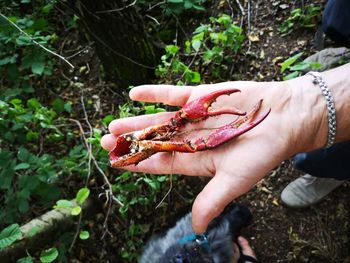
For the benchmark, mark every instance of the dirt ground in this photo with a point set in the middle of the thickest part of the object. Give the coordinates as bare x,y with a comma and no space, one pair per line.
278,234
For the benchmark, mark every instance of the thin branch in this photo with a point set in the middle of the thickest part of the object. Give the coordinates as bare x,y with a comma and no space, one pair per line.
80,51
249,26
153,6
171,181
117,9
154,19
35,42
108,192
242,11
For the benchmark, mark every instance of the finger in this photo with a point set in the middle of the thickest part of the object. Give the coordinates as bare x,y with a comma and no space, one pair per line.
108,142
211,201
175,163
168,94
121,126
246,248
236,253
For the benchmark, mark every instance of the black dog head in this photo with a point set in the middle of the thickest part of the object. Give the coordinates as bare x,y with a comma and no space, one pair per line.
180,245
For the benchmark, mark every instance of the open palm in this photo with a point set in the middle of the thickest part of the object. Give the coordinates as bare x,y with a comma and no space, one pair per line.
235,166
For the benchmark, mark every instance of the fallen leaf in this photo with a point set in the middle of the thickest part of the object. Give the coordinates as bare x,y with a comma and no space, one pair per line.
253,38
275,202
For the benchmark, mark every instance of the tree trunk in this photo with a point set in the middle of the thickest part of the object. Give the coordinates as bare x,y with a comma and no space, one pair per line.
121,40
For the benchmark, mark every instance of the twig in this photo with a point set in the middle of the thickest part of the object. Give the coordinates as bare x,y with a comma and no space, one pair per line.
35,42
231,8
107,192
242,11
117,9
154,19
157,4
249,42
82,50
171,181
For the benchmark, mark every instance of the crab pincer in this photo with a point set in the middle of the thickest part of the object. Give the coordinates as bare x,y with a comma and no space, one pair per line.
134,147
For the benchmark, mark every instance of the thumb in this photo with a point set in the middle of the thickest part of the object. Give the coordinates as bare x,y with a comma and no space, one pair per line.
212,200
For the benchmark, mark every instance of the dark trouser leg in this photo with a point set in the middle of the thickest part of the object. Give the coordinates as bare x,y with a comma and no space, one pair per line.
333,162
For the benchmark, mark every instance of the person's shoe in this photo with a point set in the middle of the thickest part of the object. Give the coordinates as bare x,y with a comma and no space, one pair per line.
308,190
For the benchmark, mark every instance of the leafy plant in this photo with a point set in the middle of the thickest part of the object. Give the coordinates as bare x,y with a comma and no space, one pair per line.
48,255
9,235
74,207
301,18
20,59
213,47
296,68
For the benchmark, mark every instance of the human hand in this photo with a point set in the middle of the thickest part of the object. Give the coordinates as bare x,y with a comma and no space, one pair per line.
237,165
247,251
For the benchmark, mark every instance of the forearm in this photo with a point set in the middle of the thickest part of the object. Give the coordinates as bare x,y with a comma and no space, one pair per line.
312,111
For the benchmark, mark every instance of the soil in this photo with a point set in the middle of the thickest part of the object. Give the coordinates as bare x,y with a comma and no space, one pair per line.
278,234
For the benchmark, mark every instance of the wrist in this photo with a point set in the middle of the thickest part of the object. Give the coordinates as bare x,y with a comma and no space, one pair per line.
309,106
309,110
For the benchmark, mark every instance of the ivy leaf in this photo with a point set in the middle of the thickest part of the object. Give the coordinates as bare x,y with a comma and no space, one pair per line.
82,195
22,166
28,259
196,44
290,61
76,210
33,104
68,107
84,235
291,75
63,204
9,235
23,154
38,67
48,255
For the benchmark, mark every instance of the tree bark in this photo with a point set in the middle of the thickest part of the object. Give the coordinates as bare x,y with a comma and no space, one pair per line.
121,41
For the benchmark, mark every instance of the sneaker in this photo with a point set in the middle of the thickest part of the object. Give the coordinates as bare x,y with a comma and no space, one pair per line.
308,190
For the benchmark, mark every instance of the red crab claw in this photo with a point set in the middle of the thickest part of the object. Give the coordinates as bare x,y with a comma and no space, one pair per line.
199,109
232,130
134,147
138,151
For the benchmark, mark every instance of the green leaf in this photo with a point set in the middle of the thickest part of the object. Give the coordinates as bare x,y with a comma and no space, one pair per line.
58,105
172,49
107,119
76,210
82,195
23,40
38,67
196,44
9,235
68,107
175,1
300,66
48,255
28,259
23,154
290,61
192,76
33,104
22,166
291,75
64,204
152,183
84,235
